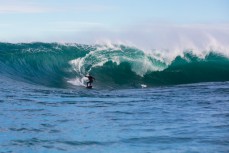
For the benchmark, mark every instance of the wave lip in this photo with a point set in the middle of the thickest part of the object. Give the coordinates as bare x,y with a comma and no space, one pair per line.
117,66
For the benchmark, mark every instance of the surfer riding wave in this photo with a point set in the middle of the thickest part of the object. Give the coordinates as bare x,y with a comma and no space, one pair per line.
90,80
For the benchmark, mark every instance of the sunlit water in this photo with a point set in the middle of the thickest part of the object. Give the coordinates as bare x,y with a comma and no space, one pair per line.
190,118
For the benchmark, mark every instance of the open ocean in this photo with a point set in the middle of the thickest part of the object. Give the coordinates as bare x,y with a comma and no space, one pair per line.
141,102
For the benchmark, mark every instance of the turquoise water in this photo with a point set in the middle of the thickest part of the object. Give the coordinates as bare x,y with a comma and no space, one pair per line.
140,103
114,67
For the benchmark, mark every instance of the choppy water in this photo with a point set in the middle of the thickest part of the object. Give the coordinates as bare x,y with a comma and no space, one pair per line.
191,118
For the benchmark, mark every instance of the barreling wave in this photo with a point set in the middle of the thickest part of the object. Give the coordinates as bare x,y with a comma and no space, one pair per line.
115,66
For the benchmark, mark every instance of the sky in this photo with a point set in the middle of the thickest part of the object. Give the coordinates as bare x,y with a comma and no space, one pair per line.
133,21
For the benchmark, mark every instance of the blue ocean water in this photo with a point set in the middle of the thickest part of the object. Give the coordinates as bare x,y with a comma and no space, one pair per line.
139,103
186,118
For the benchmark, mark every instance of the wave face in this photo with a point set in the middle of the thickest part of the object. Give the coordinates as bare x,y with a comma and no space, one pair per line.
114,66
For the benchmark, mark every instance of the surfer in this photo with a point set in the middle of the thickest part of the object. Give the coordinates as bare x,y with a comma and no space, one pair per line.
90,80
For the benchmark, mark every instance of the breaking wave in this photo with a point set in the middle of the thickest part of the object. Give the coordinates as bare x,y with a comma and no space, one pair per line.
113,66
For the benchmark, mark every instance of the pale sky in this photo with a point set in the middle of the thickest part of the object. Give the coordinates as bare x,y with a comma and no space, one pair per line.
80,20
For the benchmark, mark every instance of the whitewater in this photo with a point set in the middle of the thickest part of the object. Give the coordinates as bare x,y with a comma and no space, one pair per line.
116,66
160,100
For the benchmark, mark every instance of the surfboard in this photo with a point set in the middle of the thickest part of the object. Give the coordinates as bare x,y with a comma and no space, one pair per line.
89,87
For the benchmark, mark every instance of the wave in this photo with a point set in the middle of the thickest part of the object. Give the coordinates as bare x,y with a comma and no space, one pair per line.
113,66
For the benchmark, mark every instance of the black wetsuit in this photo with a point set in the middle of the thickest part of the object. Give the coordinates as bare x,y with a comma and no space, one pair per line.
90,78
